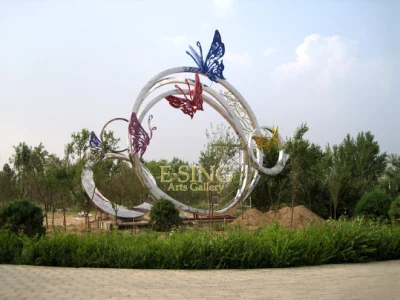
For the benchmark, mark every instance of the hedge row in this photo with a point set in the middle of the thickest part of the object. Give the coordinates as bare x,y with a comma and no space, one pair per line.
336,242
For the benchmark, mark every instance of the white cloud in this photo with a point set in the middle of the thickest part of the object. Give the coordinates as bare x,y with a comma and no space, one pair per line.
176,41
321,59
335,91
224,8
269,51
240,60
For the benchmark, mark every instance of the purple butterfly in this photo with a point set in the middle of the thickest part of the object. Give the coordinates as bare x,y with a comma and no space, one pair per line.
211,66
138,136
95,144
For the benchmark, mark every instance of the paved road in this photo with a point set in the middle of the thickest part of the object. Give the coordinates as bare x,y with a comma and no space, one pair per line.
353,281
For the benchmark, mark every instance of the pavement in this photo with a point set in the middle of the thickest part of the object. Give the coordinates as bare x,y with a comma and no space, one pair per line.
380,280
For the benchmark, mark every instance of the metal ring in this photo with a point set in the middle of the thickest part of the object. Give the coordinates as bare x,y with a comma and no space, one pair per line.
283,157
104,127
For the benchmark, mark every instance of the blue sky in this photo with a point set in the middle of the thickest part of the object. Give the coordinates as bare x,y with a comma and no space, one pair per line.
67,65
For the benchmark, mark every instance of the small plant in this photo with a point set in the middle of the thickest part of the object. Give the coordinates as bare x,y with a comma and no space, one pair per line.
22,215
164,215
374,204
394,211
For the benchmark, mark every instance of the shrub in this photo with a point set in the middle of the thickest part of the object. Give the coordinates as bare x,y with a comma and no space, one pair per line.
273,246
164,215
10,247
22,215
374,204
394,211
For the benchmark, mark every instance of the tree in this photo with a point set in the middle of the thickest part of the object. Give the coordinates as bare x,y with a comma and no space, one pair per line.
7,184
270,190
362,166
394,211
336,174
221,153
391,179
164,215
61,184
22,215
304,158
21,162
30,167
77,154
370,164
375,204
221,149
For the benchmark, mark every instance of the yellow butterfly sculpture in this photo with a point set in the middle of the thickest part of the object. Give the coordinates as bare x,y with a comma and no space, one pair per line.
267,142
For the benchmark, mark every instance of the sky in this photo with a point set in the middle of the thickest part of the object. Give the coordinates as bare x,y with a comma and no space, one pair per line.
68,65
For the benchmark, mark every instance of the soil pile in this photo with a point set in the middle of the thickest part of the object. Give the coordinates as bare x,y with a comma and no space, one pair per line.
302,216
252,218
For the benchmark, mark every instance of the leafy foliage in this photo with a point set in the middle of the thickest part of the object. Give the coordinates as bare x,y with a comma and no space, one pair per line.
164,215
11,246
374,204
328,181
7,184
394,211
22,215
336,242
391,179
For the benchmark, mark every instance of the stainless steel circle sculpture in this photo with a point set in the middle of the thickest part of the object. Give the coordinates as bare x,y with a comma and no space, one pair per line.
188,96
104,128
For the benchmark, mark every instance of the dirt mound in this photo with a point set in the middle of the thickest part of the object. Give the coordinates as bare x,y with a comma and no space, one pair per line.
302,216
252,218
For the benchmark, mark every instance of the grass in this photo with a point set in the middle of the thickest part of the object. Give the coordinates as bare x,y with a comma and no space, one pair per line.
273,246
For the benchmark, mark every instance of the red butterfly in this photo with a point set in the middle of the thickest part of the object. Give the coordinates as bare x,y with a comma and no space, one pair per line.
189,106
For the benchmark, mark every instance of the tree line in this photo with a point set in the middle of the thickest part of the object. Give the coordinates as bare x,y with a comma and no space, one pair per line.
328,181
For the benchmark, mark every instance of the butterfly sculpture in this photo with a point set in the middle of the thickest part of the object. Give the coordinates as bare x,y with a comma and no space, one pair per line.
138,136
95,144
186,105
267,143
211,66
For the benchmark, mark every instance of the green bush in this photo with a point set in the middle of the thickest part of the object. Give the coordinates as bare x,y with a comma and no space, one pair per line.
273,246
10,247
374,204
22,215
164,215
394,211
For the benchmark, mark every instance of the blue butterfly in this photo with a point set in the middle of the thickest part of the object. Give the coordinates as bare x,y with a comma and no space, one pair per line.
95,144
211,66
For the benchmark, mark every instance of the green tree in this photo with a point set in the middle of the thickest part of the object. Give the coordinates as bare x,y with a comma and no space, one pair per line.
304,159
299,182
21,160
164,215
374,204
271,191
221,153
77,154
391,179
336,174
394,211
363,164
30,168
22,215
7,184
